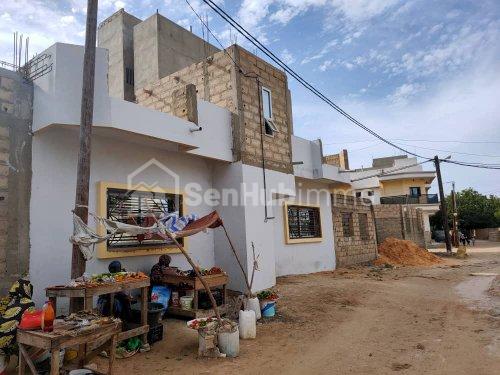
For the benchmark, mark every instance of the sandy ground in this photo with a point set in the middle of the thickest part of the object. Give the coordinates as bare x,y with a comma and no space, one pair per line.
427,320
431,320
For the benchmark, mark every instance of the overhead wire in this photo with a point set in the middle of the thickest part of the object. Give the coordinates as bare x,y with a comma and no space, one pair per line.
388,172
306,84
295,75
452,152
415,140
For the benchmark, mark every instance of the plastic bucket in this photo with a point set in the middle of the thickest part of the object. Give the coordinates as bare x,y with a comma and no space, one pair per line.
254,305
268,309
229,343
186,302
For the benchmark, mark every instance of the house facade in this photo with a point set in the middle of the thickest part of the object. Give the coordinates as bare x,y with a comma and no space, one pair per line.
398,187
216,134
194,143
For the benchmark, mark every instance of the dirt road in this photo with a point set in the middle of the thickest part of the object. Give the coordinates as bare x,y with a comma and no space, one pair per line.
430,320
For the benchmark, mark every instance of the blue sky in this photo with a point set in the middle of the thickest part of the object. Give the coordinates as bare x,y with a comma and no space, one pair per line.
423,73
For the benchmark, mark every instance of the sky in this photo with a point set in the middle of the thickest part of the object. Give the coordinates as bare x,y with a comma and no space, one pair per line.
424,74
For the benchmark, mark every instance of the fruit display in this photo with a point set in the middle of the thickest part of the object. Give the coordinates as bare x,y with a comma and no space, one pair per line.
108,278
200,323
205,272
267,295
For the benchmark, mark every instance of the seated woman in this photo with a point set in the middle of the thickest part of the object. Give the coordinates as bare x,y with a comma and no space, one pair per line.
121,307
162,268
19,301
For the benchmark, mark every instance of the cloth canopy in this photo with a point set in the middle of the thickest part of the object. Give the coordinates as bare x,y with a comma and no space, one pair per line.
210,221
86,238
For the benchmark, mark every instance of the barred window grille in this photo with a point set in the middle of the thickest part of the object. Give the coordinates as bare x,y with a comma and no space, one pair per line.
137,207
347,224
303,222
363,226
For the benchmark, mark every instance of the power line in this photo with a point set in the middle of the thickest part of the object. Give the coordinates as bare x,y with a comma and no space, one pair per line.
294,74
452,152
385,173
474,165
417,140
306,84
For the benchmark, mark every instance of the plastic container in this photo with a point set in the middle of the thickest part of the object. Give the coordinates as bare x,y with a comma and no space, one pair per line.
155,333
80,371
229,343
253,304
186,302
175,299
48,316
247,324
155,311
268,308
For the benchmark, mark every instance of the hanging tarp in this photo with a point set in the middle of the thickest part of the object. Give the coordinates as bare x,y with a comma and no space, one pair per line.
86,238
210,221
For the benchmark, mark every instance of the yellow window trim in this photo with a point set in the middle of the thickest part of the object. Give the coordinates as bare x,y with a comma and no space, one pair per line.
291,241
102,248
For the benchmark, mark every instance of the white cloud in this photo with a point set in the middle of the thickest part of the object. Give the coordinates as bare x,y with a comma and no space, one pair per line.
119,5
361,10
404,92
464,47
287,57
328,64
326,49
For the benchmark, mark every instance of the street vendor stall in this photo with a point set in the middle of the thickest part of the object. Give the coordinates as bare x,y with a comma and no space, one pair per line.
67,334
89,289
191,283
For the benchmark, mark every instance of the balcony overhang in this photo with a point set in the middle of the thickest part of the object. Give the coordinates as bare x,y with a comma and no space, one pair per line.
428,176
57,102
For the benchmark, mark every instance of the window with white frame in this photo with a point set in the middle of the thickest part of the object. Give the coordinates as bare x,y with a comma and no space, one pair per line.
267,111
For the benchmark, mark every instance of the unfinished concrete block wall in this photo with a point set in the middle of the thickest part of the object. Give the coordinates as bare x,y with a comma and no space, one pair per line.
399,221
16,100
212,80
277,148
494,234
116,35
219,82
361,245
162,47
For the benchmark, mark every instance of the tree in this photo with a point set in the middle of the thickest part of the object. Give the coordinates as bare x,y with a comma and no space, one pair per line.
475,211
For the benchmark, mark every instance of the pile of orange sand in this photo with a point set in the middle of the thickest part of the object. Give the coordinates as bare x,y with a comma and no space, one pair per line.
404,253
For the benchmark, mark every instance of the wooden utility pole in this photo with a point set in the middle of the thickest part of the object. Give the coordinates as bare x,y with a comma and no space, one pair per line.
87,113
444,211
455,213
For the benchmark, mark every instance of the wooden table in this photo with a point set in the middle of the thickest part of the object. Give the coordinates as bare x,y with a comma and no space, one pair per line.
195,284
88,293
55,341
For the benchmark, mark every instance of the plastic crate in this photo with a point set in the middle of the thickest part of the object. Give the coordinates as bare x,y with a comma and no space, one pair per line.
155,333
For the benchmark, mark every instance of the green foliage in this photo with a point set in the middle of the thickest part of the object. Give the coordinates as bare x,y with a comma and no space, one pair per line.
475,211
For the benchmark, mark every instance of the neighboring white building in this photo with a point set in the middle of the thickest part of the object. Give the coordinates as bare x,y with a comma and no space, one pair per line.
137,146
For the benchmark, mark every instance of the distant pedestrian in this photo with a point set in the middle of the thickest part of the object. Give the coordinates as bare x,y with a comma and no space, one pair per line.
462,239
